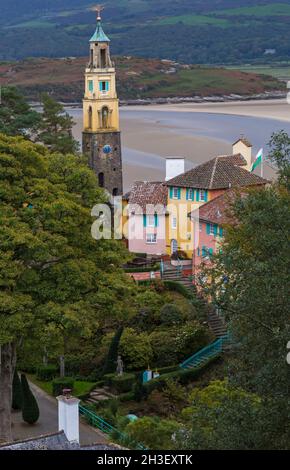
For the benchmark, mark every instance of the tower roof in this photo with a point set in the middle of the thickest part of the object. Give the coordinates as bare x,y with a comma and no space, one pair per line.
99,35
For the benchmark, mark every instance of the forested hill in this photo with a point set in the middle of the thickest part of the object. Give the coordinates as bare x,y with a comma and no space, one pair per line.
189,31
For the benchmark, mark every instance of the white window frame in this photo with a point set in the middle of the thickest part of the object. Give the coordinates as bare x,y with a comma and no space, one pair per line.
202,194
211,229
175,196
190,194
151,238
174,223
149,221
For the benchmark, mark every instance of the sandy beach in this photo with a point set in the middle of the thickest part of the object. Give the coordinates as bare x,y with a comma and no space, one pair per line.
196,132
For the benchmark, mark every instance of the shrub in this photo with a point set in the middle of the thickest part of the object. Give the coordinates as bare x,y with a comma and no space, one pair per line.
154,433
47,373
17,397
163,344
179,288
155,267
58,385
190,338
170,315
123,383
30,410
135,349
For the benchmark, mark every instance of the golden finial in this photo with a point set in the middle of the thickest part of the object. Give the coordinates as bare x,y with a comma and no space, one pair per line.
98,9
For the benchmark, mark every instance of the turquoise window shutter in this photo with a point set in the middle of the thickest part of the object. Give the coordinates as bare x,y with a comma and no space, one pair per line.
221,232
187,192
197,195
198,252
208,229
206,196
156,220
210,251
192,195
179,193
171,193
107,86
203,251
91,85
215,230
144,220
101,86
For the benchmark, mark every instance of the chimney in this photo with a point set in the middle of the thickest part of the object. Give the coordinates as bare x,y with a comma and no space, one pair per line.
174,167
68,416
244,147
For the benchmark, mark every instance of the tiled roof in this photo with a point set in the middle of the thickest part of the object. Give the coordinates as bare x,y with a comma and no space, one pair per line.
218,210
144,193
221,172
54,441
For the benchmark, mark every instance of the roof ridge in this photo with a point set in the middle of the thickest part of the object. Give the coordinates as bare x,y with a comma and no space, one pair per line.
213,172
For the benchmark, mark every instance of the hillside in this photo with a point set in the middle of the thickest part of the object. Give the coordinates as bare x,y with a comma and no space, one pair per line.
137,79
189,31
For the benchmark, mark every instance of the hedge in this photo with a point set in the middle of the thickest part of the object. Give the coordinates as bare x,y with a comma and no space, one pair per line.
58,385
183,376
178,287
121,383
46,373
155,267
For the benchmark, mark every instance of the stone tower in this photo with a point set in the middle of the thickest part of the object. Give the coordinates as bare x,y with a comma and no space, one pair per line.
101,132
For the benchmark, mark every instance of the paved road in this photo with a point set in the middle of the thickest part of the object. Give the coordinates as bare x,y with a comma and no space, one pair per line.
48,422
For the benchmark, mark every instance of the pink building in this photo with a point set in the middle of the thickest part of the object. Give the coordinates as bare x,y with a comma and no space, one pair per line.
146,211
210,220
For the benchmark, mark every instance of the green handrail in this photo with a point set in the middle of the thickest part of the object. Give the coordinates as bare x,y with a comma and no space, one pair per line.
106,428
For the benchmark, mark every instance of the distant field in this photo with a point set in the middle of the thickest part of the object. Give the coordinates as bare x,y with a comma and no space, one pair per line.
277,71
192,20
275,9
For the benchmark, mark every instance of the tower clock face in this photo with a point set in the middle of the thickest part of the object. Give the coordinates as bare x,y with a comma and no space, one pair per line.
107,149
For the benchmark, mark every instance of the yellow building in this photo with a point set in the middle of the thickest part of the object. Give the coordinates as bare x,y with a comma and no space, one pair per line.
101,132
190,190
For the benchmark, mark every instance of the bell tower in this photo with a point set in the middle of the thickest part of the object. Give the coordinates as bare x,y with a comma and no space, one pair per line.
101,132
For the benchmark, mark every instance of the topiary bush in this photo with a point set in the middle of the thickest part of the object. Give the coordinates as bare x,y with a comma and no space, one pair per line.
47,373
30,410
17,397
112,356
123,383
58,385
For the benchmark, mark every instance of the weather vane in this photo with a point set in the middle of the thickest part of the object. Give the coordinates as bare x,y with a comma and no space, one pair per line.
99,9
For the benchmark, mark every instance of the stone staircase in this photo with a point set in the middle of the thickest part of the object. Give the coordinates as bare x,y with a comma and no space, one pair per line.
100,394
172,273
217,324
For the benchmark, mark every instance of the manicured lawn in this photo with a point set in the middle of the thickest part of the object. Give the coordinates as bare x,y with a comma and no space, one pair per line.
80,387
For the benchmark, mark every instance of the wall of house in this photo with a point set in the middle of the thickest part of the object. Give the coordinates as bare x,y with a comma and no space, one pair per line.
179,208
206,244
138,232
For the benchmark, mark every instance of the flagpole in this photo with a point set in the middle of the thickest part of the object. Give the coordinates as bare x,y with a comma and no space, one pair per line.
262,167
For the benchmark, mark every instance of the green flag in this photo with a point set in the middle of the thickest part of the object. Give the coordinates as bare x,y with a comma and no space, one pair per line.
258,160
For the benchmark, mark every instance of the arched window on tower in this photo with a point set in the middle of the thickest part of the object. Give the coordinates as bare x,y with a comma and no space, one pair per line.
105,117
90,118
103,58
101,180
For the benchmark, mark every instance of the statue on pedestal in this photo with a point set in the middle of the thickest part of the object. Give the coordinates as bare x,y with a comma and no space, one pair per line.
120,366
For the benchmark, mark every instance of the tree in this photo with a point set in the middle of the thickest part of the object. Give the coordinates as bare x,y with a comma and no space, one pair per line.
30,410
111,360
56,127
280,156
16,116
54,275
17,397
249,281
222,417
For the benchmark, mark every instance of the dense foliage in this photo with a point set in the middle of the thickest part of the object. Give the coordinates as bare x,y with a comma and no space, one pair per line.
30,409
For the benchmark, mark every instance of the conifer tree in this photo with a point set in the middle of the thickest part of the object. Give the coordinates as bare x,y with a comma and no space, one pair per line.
30,410
16,392
111,360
